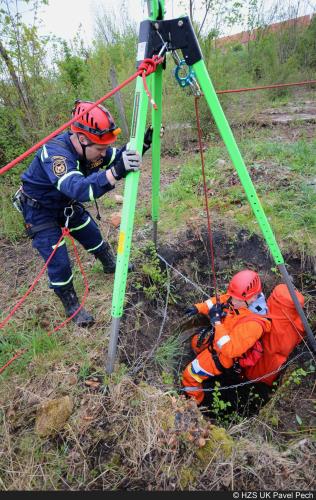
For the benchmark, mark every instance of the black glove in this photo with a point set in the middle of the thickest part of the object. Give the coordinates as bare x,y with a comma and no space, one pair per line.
148,137
129,162
216,313
191,311
203,333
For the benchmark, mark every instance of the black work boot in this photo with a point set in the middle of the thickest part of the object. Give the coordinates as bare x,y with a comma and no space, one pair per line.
107,258
70,302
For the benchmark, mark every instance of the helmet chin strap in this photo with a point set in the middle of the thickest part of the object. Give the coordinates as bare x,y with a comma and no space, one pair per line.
84,147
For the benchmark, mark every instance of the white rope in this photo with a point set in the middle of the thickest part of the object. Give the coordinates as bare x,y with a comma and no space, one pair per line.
184,277
200,389
186,389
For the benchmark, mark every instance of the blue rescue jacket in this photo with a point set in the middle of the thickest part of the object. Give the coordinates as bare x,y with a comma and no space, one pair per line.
57,175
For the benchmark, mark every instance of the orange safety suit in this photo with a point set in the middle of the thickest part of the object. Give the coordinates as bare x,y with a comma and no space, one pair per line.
237,333
287,331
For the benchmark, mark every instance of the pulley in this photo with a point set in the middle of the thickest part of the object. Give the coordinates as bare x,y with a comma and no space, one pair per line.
184,74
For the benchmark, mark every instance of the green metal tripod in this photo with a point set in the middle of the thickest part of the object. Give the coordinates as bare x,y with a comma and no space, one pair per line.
158,36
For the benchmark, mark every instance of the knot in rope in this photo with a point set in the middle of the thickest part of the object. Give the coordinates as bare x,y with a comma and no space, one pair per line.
146,68
149,66
65,231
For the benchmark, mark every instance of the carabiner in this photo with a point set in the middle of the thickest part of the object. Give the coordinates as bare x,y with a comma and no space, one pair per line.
68,214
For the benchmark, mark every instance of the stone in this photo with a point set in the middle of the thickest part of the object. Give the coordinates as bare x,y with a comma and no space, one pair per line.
119,199
52,416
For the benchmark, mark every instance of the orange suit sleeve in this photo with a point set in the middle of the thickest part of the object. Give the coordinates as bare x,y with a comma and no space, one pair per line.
204,307
235,343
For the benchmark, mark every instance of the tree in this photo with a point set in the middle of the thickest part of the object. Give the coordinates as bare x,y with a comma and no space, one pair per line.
21,54
213,15
113,32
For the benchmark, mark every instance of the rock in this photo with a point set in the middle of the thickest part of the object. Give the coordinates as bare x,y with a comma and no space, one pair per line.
219,441
52,416
115,219
119,199
201,442
220,162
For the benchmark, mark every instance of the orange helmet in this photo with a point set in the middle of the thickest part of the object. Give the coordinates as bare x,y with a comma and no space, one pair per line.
97,124
244,285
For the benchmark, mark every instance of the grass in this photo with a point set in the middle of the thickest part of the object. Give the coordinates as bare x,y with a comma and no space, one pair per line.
281,175
12,227
138,433
167,353
42,312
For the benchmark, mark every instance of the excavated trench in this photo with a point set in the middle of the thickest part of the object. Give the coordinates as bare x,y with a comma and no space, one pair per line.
156,340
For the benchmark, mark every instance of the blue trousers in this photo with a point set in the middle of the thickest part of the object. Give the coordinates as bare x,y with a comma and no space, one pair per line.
82,227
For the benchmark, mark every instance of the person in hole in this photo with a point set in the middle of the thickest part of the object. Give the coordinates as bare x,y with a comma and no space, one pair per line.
237,322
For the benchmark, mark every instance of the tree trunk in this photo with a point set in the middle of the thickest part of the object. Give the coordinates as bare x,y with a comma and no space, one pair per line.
9,64
119,102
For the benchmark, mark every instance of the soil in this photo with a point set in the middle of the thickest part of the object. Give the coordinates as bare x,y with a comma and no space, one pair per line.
189,253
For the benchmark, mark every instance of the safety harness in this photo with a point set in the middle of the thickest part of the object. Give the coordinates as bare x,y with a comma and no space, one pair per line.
249,354
20,198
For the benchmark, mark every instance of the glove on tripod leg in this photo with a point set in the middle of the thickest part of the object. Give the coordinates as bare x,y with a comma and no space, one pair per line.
69,299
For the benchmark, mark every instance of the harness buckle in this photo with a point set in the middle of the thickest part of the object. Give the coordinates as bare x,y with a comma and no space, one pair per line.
16,200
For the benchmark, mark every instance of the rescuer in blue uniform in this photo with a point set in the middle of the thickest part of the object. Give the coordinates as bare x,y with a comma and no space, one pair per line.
75,167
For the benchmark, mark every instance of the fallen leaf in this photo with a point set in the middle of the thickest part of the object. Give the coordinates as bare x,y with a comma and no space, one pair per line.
115,219
72,380
95,384
201,442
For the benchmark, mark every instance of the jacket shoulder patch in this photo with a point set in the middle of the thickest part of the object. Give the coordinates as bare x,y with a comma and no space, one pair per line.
59,165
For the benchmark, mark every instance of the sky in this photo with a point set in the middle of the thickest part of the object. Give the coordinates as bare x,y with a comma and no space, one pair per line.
64,17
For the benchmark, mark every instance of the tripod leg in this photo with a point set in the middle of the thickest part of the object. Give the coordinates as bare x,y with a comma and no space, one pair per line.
236,158
238,162
156,148
127,222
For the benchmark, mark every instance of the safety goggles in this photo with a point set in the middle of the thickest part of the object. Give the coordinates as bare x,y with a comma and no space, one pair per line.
113,129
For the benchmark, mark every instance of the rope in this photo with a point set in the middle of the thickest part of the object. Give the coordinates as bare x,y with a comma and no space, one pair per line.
271,317
263,87
184,277
234,386
18,354
147,67
209,230
20,302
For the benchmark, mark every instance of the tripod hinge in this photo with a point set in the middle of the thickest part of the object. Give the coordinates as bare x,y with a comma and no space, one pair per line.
176,33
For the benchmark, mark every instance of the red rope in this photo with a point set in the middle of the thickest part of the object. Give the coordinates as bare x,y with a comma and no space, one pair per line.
18,354
147,67
262,87
40,274
205,197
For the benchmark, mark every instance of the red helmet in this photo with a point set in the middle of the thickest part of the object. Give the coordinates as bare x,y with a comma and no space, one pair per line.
244,285
97,124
